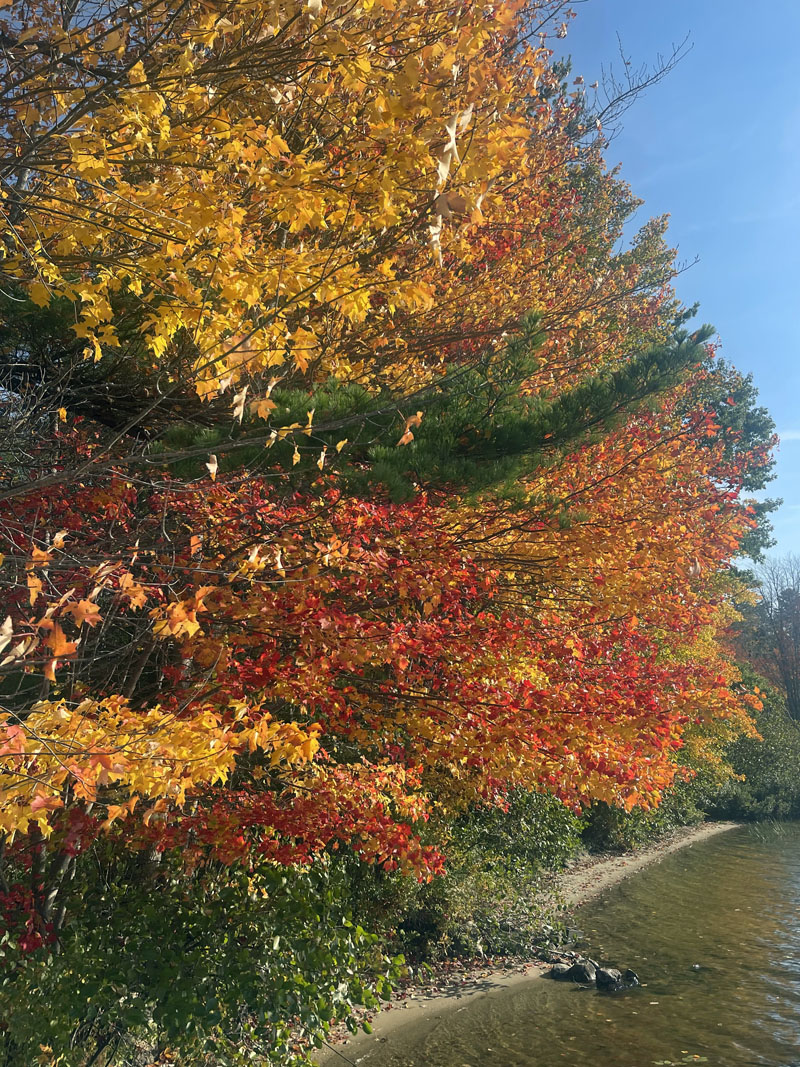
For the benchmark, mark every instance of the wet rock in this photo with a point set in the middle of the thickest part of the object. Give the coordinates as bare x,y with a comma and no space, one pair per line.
608,978
630,977
560,972
583,972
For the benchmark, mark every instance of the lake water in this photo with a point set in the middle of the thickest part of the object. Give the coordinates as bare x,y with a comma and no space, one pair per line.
730,904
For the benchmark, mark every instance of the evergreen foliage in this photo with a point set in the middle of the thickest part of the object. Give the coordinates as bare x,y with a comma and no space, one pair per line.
483,429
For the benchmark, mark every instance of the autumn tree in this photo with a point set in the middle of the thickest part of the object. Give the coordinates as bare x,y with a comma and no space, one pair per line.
345,447
770,633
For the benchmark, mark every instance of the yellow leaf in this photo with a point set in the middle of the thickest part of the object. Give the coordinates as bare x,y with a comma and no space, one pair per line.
34,588
93,351
39,294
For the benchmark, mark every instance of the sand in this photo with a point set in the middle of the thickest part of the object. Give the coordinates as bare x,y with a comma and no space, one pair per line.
588,878
591,876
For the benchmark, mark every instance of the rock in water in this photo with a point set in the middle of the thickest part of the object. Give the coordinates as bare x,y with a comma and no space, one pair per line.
630,977
583,972
560,972
608,978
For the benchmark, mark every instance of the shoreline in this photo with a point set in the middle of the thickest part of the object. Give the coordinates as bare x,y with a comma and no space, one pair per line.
589,877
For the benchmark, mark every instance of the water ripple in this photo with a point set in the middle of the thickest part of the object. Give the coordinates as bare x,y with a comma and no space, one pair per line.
729,904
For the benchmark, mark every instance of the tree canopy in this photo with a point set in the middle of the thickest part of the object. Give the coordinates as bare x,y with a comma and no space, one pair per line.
355,472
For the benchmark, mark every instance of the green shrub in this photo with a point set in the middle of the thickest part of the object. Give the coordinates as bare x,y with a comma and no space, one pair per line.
490,899
221,970
612,829
768,786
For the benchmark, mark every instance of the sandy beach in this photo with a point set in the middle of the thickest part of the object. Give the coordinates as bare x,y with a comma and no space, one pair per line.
461,984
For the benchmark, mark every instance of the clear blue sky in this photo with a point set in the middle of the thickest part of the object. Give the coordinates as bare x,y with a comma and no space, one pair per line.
717,146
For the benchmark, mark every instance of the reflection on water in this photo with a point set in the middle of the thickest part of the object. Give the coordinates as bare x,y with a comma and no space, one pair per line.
729,904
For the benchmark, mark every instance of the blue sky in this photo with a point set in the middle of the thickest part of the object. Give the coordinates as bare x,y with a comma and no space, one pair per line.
717,146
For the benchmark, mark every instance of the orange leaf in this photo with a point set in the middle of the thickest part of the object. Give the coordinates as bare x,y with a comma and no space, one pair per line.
85,611
57,641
